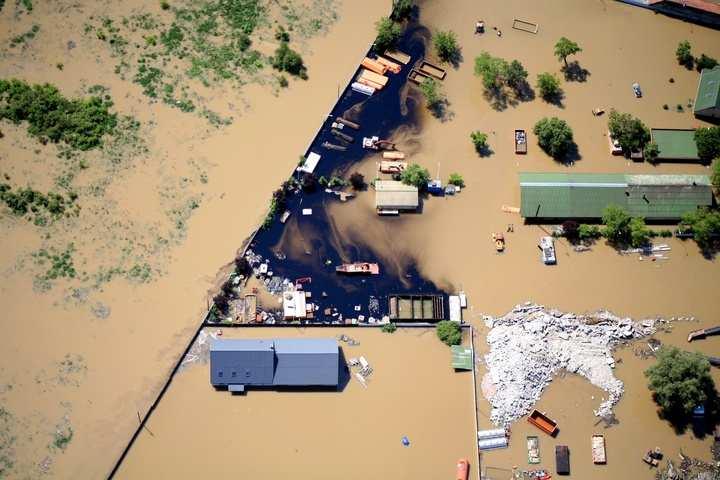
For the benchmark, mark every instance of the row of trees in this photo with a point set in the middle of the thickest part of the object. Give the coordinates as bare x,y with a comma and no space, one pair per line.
618,227
684,56
419,177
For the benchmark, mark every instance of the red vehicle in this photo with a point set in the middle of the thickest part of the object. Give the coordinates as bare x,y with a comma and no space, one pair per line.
463,468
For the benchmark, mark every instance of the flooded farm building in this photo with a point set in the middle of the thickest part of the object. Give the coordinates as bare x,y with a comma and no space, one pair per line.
585,195
707,101
296,362
675,144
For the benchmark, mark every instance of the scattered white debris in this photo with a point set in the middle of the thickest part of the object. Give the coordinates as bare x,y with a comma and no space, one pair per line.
530,345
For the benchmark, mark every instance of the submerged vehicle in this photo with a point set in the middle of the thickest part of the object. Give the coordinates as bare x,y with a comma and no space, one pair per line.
358,268
636,90
499,240
547,247
520,141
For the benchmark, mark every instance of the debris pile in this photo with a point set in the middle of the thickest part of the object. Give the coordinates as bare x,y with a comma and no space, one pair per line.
530,345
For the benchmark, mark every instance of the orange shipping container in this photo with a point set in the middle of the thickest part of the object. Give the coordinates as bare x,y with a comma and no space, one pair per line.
370,83
374,77
391,66
373,65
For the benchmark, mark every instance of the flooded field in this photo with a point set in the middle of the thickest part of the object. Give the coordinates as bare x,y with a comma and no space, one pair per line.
355,433
85,392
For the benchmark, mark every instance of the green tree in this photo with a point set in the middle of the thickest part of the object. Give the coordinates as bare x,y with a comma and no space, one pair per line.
707,140
357,180
680,381
549,85
705,62
415,175
402,9
684,54
389,328
716,174
554,136
705,225
492,70
288,60
449,332
565,47
516,75
479,139
588,232
651,152
446,46
639,232
388,32
630,132
456,179
431,91
617,224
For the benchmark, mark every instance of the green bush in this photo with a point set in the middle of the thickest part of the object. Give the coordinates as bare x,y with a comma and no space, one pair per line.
80,122
705,62
165,5
549,85
479,139
617,224
565,47
639,233
388,32
402,9
680,381
389,328
415,175
684,54
431,91
446,46
716,174
651,152
516,75
630,132
555,136
449,332
456,179
288,60
707,140
588,232
705,225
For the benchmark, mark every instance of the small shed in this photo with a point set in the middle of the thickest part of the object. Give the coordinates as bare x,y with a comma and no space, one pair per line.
462,357
394,195
294,305
707,100
675,144
310,163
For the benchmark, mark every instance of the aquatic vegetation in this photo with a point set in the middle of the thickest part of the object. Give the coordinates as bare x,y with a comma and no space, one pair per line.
23,38
479,140
288,60
62,438
389,328
7,442
26,200
555,136
81,122
449,332
651,152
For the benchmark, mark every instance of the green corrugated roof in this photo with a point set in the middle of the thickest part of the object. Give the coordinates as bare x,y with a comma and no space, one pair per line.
462,357
675,144
561,195
708,94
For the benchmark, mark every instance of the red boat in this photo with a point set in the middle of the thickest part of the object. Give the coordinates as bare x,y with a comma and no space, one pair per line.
463,466
358,268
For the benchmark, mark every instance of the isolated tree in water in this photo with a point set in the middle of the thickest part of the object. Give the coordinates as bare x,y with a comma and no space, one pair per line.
565,47
446,46
554,136
630,132
549,86
684,54
680,381
516,75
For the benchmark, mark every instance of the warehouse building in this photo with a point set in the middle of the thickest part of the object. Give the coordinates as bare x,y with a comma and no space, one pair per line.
392,197
298,362
707,100
584,196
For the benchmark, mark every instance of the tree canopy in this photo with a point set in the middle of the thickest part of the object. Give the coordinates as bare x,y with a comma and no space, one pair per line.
288,60
431,91
415,175
388,32
449,332
492,70
456,179
555,136
402,9
549,85
680,381
684,54
708,142
446,46
716,174
565,47
516,75
705,225
617,224
630,132
479,139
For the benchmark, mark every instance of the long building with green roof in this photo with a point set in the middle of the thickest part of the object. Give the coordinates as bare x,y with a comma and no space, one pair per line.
707,100
585,195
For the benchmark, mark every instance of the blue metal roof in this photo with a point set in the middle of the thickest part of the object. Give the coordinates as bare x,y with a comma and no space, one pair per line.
306,345
241,344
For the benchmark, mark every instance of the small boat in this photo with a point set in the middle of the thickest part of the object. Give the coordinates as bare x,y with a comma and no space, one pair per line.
700,334
543,422
598,449
499,240
462,470
435,187
636,90
520,142
533,448
562,460
547,247
358,268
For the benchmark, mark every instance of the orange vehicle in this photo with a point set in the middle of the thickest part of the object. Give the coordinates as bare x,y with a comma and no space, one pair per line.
463,468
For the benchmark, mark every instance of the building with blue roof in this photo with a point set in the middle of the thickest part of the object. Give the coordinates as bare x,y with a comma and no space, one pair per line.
290,362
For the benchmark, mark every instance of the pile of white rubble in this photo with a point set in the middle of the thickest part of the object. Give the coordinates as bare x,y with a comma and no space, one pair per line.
530,345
